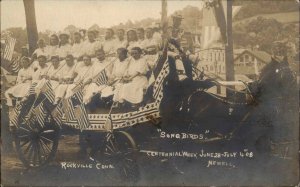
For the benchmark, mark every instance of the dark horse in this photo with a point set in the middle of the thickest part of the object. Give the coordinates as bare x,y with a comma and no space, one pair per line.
187,105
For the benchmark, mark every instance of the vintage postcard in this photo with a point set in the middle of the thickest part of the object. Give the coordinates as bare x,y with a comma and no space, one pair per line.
149,93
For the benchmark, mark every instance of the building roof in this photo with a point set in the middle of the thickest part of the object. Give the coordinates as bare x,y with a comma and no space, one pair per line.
261,55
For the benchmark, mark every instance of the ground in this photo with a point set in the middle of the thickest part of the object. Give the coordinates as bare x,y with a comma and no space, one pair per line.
155,170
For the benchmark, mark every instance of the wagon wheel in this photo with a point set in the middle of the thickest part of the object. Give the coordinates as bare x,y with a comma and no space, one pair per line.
36,145
120,150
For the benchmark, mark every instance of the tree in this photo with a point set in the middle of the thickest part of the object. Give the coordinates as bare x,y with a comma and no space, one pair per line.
31,26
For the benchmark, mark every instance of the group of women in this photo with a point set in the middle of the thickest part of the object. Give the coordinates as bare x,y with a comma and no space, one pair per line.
117,66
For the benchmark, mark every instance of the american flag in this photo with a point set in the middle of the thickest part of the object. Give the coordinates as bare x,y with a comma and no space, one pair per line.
77,88
9,47
57,114
78,94
102,78
15,64
48,91
214,23
68,108
81,116
14,114
32,89
40,114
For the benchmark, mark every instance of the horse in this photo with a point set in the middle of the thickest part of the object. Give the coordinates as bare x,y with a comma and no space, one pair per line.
228,117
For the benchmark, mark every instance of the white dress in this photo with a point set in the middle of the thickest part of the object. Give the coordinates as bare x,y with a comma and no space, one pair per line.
109,47
56,74
64,50
90,48
118,71
22,86
91,89
84,73
120,44
51,50
132,44
76,50
40,51
37,77
65,73
133,91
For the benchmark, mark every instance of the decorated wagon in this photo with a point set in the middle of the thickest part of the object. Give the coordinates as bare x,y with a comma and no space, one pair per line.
174,106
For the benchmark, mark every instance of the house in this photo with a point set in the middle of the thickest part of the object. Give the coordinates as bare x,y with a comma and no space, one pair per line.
250,62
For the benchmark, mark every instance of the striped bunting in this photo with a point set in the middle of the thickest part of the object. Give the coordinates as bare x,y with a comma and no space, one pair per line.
32,88
158,84
102,78
79,95
14,115
57,114
68,108
78,87
120,120
9,47
81,116
15,65
48,91
40,114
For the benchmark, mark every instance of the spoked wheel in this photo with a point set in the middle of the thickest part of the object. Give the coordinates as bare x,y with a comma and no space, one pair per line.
120,150
36,145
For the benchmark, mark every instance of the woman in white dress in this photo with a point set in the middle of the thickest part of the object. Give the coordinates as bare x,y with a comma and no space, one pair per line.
90,45
42,49
120,40
84,72
134,81
64,47
99,64
54,73
53,47
132,39
23,82
40,75
77,46
67,76
118,71
109,45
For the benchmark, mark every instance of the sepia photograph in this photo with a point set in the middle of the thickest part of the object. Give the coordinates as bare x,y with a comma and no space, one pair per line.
150,92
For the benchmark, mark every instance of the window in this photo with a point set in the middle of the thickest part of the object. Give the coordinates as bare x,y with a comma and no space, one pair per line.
241,59
211,68
253,58
246,58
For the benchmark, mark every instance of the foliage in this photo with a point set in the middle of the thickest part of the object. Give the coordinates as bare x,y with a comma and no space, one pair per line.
254,7
263,32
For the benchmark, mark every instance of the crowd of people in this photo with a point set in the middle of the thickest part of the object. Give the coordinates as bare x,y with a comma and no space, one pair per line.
127,62
126,57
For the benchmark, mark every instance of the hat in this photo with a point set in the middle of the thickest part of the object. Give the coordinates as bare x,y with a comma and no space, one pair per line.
25,58
177,16
64,33
42,55
122,49
137,49
91,31
133,30
77,32
54,56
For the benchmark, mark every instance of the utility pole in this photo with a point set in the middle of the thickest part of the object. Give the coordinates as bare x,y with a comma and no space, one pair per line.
164,19
229,64
31,26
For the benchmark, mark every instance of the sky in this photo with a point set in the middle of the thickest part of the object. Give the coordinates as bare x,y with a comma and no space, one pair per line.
55,15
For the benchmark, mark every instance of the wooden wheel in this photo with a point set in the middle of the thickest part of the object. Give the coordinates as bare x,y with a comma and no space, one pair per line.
120,150
36,145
